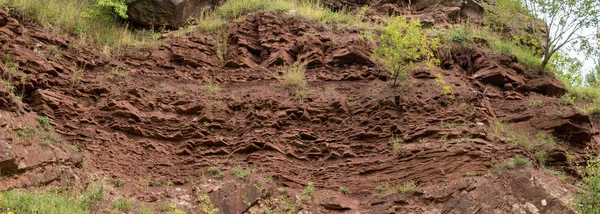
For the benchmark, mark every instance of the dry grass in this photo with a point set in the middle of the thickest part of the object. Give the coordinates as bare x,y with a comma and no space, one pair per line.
67,16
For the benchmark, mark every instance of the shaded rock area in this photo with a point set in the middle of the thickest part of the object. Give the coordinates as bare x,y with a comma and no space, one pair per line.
169,13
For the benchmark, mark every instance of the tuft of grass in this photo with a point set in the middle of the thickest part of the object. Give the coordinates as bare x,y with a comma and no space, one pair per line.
536,103
211,88
293,77
461,34
452,125
308,9
118,74
45,122
396,143
145,210
309,189
541,156
520,161
49,202
66,16
205,205
343,190
526,56
470,174
123,204
386,189
240,172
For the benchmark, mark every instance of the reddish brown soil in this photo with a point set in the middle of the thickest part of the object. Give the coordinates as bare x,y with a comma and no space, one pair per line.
158,125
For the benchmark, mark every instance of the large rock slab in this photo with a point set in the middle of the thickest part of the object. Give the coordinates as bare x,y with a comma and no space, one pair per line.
547,86
169,13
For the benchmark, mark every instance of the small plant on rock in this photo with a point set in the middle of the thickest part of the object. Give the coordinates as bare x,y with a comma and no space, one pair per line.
310,189
343,190
396,143
402,44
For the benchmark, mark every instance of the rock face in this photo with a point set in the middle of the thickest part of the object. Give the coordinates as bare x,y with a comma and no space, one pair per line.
170,13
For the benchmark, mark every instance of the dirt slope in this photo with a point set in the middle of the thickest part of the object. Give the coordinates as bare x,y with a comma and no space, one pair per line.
156,129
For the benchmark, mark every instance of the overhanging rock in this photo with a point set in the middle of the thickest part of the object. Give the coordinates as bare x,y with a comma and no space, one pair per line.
169,13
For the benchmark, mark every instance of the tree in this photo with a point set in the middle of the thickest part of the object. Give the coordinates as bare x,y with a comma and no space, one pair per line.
402,44
569,23
593,77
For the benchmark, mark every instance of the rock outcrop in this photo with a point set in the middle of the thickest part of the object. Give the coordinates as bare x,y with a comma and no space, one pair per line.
169,13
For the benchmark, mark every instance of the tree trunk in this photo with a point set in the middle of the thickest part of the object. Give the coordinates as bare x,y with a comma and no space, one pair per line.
544,62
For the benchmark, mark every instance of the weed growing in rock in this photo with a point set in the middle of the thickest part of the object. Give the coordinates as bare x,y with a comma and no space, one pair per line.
45,122
216,172
589,200
446,89
309,189
452,125
145,210
541,156
118,74
240,172
206,206
343,190
211,88
386,189
402,44
520,161
536,103
396,143
123,204
293,77
470,174
462,34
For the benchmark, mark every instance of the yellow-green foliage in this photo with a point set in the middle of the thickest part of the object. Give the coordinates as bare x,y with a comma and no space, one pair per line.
402,44
293,77
589,201
71,17
51,201
308,9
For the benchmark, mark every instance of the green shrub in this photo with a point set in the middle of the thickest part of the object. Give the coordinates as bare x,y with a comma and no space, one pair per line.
47,202
240,172
308,9
106,9
589,201
402,44
520,161
91,20
123,204
462,34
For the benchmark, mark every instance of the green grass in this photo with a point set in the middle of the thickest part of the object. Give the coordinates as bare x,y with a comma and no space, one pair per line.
51,201
240,172
452,125
211,88
309,189
67,16
293,77
396,143
501,129
508,47
47,202
123,204
306,9
343,190
520,161
462,34
588,201
386,189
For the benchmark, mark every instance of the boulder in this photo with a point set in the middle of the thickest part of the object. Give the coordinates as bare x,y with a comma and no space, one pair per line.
547,86
169,13
8,160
